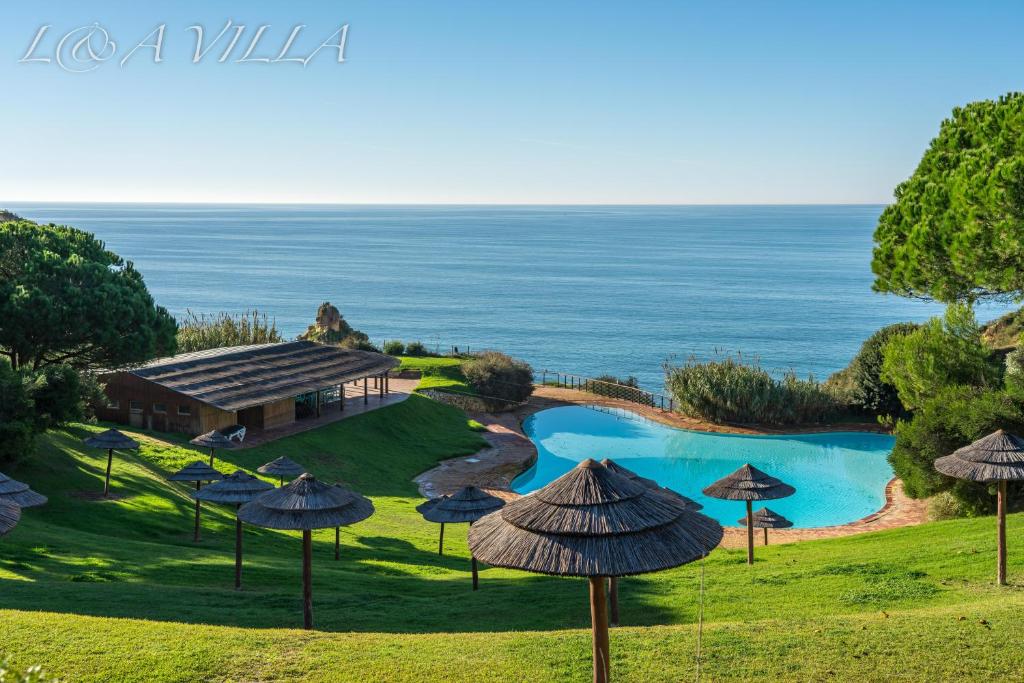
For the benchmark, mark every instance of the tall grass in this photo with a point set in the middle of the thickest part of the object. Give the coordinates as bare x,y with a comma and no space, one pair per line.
198,332
732,390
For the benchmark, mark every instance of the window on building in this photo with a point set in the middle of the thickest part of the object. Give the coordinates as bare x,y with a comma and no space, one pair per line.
184,410
135,406
113,404
159,407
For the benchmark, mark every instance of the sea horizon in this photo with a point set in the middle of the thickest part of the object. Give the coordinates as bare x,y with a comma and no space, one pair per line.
585,289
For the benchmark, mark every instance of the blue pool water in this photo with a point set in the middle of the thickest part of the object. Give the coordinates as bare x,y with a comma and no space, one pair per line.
839,476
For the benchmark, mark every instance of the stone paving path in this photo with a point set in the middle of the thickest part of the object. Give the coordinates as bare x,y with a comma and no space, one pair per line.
511,452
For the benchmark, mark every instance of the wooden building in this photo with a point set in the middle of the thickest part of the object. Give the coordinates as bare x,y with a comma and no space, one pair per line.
254,386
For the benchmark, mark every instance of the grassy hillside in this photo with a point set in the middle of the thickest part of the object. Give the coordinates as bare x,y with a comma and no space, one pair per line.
116,590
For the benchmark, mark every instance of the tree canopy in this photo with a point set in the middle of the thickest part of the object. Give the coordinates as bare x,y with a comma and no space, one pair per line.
64,298
956,229
943,352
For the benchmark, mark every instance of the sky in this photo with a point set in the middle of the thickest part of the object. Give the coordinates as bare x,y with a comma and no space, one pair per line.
481,102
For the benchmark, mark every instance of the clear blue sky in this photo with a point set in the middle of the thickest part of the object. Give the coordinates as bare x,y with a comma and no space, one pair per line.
518,102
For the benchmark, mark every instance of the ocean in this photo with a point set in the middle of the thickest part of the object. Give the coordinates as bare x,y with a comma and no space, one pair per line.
582,289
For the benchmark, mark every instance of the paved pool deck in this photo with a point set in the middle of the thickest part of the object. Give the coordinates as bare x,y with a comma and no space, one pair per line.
511,452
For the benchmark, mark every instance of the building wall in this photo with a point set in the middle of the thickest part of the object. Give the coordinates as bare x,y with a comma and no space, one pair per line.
124,388
279,413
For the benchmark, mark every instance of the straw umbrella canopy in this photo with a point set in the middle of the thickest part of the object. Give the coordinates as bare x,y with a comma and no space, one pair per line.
629,474
111,440
281,467
234,489
306,504
749,484
213,440
427,505
9,516
18,493
197,472
595,523
767,519
468,504
994,459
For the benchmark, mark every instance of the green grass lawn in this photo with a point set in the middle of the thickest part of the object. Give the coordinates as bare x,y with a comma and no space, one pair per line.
116,590
438,373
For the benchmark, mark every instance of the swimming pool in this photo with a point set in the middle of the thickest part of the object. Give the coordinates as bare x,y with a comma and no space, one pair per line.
839,476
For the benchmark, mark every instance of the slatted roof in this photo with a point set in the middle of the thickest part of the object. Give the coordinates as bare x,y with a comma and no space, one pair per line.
240,377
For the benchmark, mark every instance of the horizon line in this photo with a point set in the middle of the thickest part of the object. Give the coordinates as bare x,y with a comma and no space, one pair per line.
4,203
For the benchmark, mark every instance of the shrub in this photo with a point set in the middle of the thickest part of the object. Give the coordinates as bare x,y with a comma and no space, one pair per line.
58,395
495,375
18,421
731,390
198,332
941,353
359,341
416,348
860,384
394,347
944,505
953,418
33,674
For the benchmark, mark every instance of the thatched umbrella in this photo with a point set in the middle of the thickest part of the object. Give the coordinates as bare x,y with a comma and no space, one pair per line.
281,467
996,458
18,493
749,484
111,440
213,440
306,504
234,489
595,523
629,474
767,519
197,472
9,516
428,505
468,504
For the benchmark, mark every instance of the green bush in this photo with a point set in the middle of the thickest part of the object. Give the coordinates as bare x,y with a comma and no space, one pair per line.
731,390
860,384
394,347
495,375
33,674
416,348
58,394
359,341
943,352
18,422
944,505
953,418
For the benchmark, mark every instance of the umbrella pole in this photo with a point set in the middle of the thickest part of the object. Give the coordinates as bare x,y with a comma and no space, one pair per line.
750,532
440,542
599,628
613,600
106,482
337,543
1001,534
766,535
472,561
307,579
238,552
196,535
211,457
